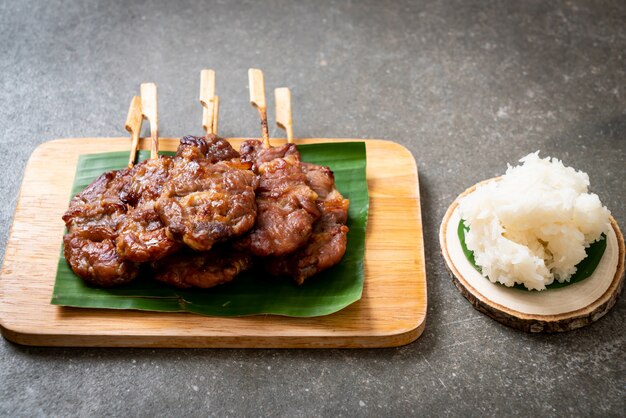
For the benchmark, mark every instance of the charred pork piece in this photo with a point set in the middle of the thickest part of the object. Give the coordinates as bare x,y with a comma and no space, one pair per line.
219,149
94,259
212,148
254,152
204,203
221,264
142,236
92,222
286,205
327,243
202,269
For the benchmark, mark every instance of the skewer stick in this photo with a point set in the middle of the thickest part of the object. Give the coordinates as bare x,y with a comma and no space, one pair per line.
257,99
216,113
149,111
133,126
209,123
283,111
207,99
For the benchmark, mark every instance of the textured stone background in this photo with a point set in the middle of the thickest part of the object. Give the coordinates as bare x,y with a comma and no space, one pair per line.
466,85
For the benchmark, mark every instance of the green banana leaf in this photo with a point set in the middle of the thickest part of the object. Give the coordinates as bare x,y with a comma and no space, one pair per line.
584,269
251,293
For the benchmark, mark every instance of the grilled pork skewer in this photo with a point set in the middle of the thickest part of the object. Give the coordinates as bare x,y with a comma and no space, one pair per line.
222,263
190,198
93,218
209,197
328,241
207,268
286,206
114,225
142,236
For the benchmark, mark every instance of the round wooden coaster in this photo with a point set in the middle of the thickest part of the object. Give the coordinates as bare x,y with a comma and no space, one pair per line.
553,310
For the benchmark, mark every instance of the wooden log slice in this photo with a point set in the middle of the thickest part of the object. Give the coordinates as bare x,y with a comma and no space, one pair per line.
553,310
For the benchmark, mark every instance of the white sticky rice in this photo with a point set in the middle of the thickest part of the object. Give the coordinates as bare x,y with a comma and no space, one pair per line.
533,225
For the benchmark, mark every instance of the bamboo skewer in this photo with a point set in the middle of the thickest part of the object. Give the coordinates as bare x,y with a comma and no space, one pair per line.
149,111
257,99
133,126
282,98
209,122
216,113
207,100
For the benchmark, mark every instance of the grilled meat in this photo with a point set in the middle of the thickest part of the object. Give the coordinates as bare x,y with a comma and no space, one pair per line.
221,264
211,148
114,224
286,206
92,222
204,203
202,269
327,243
142,236
254,151
205,197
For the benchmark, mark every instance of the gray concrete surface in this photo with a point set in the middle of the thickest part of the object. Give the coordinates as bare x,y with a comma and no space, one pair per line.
467,86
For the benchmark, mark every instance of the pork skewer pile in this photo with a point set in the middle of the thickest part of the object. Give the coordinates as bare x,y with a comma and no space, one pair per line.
200,217
94,217
209,197
329,237
285,203
142,236
221,263
148,211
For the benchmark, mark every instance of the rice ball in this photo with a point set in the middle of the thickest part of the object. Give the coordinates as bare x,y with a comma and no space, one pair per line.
532,226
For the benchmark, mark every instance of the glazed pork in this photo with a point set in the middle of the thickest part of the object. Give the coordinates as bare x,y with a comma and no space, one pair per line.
142,235
199,218
206,202
144,213
92,223
222,263
286,205
327,243
205,269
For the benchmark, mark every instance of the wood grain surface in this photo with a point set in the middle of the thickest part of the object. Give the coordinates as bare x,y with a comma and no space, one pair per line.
391,312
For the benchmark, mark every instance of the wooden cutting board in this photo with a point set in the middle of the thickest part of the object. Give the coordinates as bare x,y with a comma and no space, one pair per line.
392,311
